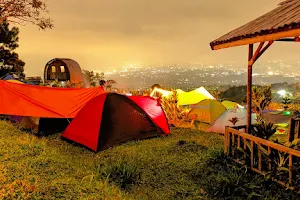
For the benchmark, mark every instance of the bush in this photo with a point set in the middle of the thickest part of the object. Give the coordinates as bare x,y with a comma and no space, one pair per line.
175,114
121,174
264,130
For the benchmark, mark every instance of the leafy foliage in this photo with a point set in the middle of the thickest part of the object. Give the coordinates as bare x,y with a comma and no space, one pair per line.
215,93
99,79
264,130
155,86
224,179
286,100
235,94
261,99
8,43
174,113
57,83
93,78
22,11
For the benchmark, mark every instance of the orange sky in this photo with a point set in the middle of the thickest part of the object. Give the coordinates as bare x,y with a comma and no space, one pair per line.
104,35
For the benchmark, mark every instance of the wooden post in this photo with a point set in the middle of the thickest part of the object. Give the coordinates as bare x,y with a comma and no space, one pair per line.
298,130
249,88
232,144
269,159
252,155
290,169
229,142
292,130
245,149
226,140
259,157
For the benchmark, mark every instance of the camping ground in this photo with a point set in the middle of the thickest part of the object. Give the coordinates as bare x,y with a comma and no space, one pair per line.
188,164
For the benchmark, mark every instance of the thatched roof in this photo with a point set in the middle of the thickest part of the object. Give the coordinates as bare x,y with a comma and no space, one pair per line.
281,22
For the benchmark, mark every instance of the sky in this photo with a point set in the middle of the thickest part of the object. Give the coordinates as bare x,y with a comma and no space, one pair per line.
104,35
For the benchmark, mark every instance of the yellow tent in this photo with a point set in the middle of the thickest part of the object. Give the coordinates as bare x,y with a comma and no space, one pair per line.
180,91
207,111
231,104
193,97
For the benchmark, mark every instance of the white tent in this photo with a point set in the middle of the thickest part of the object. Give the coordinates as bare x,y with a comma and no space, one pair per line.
203,91
240,113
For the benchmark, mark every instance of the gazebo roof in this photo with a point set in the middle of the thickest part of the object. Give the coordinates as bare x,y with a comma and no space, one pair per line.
282,22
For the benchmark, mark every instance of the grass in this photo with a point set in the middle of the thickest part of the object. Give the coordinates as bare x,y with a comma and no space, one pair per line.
188,164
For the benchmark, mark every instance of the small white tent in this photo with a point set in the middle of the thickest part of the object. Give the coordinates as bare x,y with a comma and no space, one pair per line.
240,113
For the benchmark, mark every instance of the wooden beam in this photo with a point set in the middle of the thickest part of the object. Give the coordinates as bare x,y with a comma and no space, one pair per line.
260,51
253,59
295,39
264,49
286,40
262,38
249,88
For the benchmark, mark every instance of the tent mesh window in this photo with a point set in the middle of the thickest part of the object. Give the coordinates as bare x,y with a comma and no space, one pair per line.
123,120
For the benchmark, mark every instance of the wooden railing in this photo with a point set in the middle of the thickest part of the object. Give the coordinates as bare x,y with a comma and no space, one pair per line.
264,157
294,129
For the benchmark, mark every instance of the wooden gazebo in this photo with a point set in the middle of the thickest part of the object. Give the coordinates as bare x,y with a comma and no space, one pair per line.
280,24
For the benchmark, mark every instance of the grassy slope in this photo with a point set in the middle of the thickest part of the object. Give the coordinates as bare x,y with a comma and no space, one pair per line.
185,165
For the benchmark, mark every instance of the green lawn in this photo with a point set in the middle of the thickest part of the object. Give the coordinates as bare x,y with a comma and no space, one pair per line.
188,164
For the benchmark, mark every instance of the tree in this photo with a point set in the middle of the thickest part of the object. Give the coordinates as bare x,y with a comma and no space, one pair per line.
215,93
236,94
286,100
261,99
109,84
98,79
155,86
93,77
10,62
22,11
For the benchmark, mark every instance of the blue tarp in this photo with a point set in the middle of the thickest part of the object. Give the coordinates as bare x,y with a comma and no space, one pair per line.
8,77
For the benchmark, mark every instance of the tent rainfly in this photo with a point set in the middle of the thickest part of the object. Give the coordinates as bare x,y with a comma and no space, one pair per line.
207,111
193,97
280,24
112,119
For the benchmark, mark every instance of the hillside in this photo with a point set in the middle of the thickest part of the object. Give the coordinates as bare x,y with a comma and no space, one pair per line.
188,164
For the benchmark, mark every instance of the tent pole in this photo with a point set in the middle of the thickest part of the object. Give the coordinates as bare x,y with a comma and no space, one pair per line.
249,88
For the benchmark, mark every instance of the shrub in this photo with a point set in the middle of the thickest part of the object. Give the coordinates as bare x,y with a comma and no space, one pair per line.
264,130
174,113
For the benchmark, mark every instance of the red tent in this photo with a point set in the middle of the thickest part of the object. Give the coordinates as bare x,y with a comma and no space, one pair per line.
111,119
